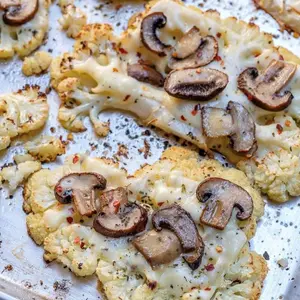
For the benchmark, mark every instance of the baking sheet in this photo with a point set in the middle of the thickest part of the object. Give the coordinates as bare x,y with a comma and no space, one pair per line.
31,278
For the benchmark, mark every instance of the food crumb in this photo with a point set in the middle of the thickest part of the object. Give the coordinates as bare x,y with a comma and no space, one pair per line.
7,268
283,263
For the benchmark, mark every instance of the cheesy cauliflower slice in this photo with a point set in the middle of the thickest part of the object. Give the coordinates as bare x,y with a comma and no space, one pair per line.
286,13
45,213
23,39
73,18
22,112
36,64
94,77
125,274
17,174
45,148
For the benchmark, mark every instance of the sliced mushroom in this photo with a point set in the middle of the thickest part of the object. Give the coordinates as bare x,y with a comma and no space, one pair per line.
221,196
158,247
243,134
16,15
110,201
203,55
263,90
149,37
130,218
216,122
178,220
195,84
146,74
81,189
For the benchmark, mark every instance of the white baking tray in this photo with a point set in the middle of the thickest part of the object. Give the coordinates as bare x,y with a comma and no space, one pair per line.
278,232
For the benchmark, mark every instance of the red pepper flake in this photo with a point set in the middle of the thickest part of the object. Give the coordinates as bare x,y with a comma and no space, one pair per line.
160,203
218,58
196,109
116,205
77,240
70,220
123,51
126,97
209,267
219,34
281,57
82,244
250,97
59,189
279,128
183,118
115,70
287,123
152,285
75,159
207,289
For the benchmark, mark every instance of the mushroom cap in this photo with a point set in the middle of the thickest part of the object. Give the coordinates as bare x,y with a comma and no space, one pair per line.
16,15
145,73
176,219
130,218
206,51
263,89
149,37
195,84
80,187
158,247
221,196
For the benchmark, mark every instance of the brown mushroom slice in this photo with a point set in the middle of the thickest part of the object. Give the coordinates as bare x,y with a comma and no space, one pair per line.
158,247
81,189
243,134
196,84
263,90
203,55
131,218
16,15
146,74
221,196
175,218
149,37
110,201
216,122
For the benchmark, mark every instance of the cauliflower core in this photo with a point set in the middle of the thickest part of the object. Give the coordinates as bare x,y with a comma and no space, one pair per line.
46,148
122,271
94,77
36,64
25,38
22,112
73,18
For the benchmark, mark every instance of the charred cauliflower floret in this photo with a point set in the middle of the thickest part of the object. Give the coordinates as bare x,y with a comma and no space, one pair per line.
24,36
73,18
36,64
276,170
17,174
46,148
76,246
22,112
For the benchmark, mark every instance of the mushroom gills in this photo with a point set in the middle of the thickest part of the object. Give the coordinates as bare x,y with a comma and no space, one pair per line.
263,89
110,201
185,55
130,218
149,37
144,73
195,84
221,197
176,219
81,189
158,247
19,14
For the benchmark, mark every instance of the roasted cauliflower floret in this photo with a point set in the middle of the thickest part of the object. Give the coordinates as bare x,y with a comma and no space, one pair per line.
22,112
25,38
17,174
276,169
36,64
76,246
46,148
73,18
